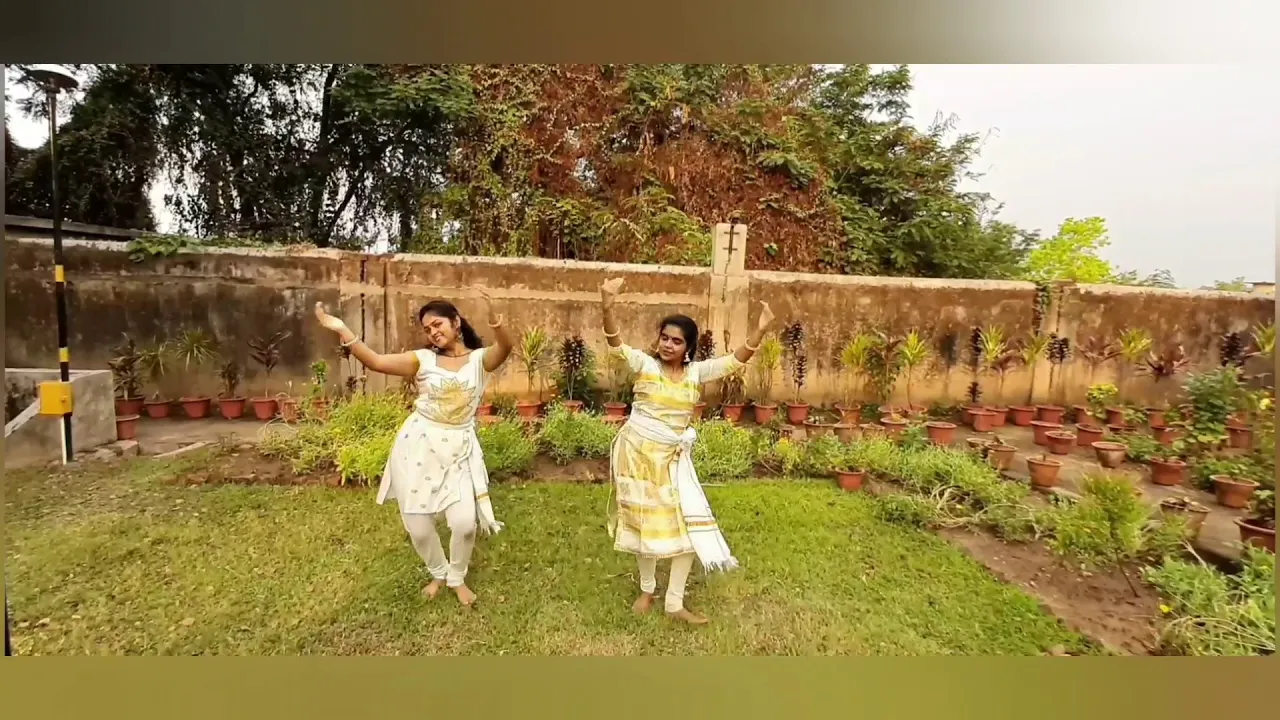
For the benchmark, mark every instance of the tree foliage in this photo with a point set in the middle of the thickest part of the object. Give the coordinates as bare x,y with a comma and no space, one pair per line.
1073,254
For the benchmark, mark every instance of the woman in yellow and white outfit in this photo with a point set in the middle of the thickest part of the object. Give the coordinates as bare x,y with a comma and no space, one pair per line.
661,511
436,467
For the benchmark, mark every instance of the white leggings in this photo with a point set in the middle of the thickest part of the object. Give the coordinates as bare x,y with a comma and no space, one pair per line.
461,518
680,566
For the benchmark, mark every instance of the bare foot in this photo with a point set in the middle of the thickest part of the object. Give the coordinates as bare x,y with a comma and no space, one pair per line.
432,589
465,596
642,604
685,616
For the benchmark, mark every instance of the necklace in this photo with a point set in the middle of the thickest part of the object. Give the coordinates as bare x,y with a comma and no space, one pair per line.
462,354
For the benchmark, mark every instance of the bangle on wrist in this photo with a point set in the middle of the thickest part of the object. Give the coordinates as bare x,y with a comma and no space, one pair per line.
606,334
497,324
752,349
351,342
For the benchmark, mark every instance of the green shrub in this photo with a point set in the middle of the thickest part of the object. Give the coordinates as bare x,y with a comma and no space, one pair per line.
724,451
568,435
1142,447
1110,525
508,449
910,510
355,440
786,457
821,456
1211,613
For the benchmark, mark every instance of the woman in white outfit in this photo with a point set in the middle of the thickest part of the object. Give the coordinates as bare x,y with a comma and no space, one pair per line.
436,467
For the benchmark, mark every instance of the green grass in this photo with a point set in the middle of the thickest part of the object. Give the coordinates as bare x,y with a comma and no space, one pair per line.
123,560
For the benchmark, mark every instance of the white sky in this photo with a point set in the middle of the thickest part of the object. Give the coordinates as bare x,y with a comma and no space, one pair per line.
1181,160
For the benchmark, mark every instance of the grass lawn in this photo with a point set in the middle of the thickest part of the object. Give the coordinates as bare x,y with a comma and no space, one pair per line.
120,559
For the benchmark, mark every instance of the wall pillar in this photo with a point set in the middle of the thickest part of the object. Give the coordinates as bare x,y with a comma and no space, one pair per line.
728,298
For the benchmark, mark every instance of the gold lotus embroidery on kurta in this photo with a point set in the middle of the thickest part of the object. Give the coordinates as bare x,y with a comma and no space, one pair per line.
449,402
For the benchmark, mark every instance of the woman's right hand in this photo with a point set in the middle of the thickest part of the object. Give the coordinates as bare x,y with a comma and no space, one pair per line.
609,290
330,322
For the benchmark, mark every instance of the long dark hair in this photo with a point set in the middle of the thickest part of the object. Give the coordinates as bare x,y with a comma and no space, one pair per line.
445,309
688,328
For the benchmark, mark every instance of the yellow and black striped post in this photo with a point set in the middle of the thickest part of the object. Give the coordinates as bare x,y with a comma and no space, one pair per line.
59,274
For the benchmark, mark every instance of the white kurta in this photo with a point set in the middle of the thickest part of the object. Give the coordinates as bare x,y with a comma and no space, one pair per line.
436,455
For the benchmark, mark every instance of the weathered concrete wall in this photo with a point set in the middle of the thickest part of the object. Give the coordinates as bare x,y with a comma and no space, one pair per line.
33,439
236,295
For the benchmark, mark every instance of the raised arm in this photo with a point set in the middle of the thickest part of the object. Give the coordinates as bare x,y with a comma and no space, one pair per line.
501,348
399,364
744,353
609,293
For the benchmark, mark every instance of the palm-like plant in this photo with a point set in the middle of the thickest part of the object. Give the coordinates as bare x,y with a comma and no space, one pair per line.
767,360
266,352
884,364
853,359
155,361
192,350
126,371
1030,351
1166,364
1097,351
912,353
229,373
993,346
1001,366
534,348
1135,343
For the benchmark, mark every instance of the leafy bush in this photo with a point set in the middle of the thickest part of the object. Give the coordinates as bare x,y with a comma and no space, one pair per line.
724,451
508,449
1110,525
1142,447
356,439
821,456
785,457
568,435
1211,613
1214,396
910,510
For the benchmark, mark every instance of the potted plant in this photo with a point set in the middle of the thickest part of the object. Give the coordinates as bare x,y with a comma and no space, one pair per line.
318,394
1162,367
704,350
266,352
1110,454
1059,352
733,399
893,423
975,368
853,360
574,360
127,427
767,360
1167,467
1235,493
230,404
912,354
1043,471
849,476
1088,434
289,406
1041,429
534,346
619,389
1030,352
1192,512
941,433
192,350
883,366
1100,398
996,358
1135,344
793,344
999,454
974,394
1060,441
1258,528
1097,352
156,361
948,356
127,373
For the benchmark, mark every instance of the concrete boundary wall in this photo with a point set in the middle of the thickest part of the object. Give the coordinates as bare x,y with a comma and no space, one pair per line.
236,294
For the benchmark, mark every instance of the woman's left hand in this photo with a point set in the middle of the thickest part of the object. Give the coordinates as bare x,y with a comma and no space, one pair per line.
487,303
766,316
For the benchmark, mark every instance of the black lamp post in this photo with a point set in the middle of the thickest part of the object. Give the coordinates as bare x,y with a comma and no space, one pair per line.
53,80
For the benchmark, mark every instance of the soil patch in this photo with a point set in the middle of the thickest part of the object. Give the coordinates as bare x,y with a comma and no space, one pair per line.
588,470
1100,605
249,467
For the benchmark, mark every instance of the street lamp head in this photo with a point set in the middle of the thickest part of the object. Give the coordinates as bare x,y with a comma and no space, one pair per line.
54,78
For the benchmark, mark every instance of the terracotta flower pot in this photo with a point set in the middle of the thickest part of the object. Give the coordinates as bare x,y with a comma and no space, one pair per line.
999,415
132,406
528,410
893,425
1169,473
850,415
484,410
732,411
1050,413
941,433
289,410
1155,417
1194,515
1042,430
817,429
797,413
846,432
966,414
1022,415
1001,456
157,409
1110,454
1119,429
1256,535
265,408
1087,435
126,427
1240,437
763,412
1080,414
1044,472
1233,493
872,429
1164,434
615,409
978,444
196,408
231,408
1115,416
699,409
1060,441
575,406
850,480
984,421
